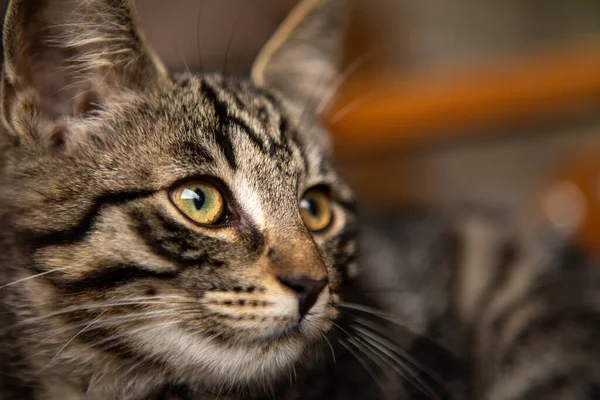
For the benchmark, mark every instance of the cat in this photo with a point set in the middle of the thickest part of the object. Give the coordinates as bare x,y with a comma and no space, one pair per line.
164,234
187,237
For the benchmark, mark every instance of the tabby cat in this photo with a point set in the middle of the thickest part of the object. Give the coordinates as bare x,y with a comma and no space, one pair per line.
187,237
184,231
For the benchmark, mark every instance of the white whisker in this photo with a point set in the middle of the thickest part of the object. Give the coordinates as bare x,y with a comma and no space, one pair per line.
348,346
71,309
74,337
401,368
32,277
384,316
387,346
331,348
341,78
345,110
374,357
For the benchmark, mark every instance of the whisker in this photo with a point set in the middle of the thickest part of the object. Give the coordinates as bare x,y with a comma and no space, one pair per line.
295,373
343,77
348,346
112,337
374,357
370,310
351,106
361,361
97,321
235,26
341,329
100,324
401,368
121,318
384,316
198,36
371,328
187,68
128,333
67,310
32,277
74,337
370,323
220,390
368,332
331,348
308,112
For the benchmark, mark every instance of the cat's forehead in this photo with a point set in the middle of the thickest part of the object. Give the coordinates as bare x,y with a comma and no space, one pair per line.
210,125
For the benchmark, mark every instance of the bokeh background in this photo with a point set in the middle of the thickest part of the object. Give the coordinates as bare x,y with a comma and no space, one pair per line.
441,102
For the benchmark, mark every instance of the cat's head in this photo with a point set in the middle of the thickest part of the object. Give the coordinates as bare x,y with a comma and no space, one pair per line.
196,222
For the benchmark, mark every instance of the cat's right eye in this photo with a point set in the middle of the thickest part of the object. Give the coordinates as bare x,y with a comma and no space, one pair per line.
200,201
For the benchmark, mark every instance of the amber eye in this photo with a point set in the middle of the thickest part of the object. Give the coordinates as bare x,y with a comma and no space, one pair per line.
315,208
200,201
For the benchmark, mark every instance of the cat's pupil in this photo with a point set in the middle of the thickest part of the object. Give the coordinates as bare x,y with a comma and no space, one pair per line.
199,199
311,206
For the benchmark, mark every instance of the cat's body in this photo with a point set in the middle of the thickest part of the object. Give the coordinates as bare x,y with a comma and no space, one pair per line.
188,237
514,302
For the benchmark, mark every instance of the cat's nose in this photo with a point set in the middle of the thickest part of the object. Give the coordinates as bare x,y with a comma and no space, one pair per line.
307,290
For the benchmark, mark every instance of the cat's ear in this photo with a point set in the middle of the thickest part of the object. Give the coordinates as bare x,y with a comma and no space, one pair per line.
301,59
66,58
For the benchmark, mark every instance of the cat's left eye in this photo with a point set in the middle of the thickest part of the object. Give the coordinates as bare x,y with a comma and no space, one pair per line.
200,201
315,209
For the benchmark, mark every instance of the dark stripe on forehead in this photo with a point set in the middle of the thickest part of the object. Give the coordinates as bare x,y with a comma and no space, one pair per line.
262,144
252,135
270,97
226,120
192,150
221,133
81,229
110,277
287,136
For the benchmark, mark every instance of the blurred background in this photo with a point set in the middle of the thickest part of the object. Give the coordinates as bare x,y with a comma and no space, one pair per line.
441,102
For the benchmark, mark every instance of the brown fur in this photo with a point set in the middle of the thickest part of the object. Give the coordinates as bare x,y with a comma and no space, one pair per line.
130,295
108,291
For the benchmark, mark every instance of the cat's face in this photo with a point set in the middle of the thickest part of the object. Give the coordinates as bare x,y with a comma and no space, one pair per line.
194,223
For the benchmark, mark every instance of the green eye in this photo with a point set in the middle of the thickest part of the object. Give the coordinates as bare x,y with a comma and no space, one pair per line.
315,209
200,201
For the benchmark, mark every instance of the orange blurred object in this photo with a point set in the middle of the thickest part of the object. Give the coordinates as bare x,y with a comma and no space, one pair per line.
570,198
395,110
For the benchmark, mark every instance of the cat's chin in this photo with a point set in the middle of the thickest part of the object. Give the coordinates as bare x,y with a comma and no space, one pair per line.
244,362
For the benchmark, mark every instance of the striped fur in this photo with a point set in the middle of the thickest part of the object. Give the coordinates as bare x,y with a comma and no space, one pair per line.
108,291
515,302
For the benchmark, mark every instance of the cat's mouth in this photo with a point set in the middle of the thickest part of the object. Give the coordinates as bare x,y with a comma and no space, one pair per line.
272,317
303,328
